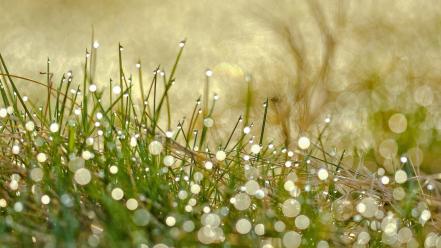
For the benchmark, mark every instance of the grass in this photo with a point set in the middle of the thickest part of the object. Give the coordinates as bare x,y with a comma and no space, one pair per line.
96,167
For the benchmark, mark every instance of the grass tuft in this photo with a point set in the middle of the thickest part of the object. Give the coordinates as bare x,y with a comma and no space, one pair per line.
82,171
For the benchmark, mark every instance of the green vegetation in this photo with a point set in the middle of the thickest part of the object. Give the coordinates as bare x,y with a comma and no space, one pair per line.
93,168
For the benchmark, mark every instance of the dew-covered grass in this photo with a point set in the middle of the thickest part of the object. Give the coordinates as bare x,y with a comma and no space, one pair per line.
90,165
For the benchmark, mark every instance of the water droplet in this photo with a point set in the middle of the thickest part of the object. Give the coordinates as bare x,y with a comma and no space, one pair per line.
82,176
243,226
141,217
116,90
155,147
241,201
255,149
3,112
132,204
302,222
30,126
208,165
36,174
259,229
54,127
291,239
398,123
117,194
322,174
15,149
45,199
208,122
92,88
170,221
168,160
251,187
363,238
41,157
291,207
221,155
304,143
400,176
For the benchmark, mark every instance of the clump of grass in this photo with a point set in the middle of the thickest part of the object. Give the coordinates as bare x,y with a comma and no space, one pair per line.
92,167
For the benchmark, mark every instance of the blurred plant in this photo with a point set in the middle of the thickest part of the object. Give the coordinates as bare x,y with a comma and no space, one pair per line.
370,101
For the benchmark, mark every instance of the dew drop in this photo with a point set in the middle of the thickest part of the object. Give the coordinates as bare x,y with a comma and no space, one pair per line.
30,126
92,88
259,229
291,239
251,187
155,147
221,155
400,176
243,226
36,174
302,222
168,160
54,127
255,149
241,201
208,165
170,221
132,204
82,176
117,194
291,207
322,174
304,143
41,157
45,199
208,122
116,90
15,149
398,123
113,169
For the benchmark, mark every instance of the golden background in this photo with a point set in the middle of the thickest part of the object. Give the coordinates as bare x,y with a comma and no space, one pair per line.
382,52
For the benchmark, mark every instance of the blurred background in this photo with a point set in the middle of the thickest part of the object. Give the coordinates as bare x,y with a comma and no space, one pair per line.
371,67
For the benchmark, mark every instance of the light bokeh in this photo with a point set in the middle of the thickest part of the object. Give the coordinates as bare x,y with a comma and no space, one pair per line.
386,58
